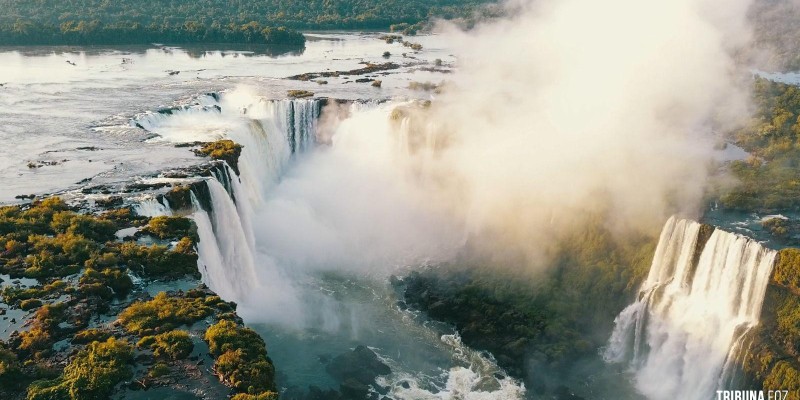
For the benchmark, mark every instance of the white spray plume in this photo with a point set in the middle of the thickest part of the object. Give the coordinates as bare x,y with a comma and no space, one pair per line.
568,108
576,106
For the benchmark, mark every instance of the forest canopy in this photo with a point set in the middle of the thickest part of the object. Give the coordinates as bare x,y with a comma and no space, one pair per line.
209,21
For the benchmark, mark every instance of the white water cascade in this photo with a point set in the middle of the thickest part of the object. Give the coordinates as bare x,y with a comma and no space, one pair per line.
279,241
691,312
152,208
270,131
226,252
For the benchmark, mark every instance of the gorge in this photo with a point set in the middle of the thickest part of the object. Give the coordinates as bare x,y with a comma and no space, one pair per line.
462,214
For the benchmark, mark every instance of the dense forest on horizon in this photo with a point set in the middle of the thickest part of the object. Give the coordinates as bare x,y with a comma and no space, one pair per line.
296,14
776,31
211,21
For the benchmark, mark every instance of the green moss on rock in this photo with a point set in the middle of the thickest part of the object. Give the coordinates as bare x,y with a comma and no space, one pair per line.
163,313
92,373
787,269
175,345
165,227
226,150
241,358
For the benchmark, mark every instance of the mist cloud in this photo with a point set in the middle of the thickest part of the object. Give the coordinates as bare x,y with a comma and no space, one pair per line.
577,106
569,108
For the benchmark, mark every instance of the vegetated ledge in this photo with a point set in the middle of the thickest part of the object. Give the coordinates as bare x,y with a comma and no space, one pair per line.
93,330
25,33
226,150
772,359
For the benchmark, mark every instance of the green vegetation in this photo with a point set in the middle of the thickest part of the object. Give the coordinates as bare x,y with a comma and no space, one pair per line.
260,396
176,228
47,240
123,217
175,345
11,295
10,373
43,331
773,359
546,320
105,284
299,94
93,31
159,261
87,336
241,359
226,150
159,369
92,374
785,376
163,313
770,179
192,16
30,304
90,227
787,269
180,197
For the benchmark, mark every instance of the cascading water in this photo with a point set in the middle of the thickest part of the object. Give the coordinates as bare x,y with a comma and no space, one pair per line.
691,311
270,131
152,208
284,270
225,247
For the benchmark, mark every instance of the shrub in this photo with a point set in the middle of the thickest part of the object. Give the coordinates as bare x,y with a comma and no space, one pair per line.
123,217
9,366
787,269
30,304
159,261
241,358
162,313
165,227
297,94
42,211
104,282
179,197
245,373
260,396
226,150
43,325
159,369
227,335
783,376
91,335
13,294
100,260
91,227
92,374
58,256
174,344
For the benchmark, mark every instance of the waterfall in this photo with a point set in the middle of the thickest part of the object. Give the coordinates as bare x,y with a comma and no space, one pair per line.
271,131
300,122
691,314
226,247
152,208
